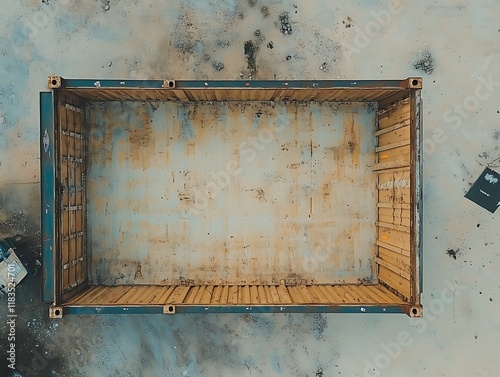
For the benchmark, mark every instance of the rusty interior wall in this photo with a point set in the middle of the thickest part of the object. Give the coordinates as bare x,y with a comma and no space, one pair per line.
394,199
231,193
71,178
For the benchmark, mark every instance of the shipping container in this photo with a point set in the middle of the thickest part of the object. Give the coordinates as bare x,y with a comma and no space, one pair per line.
175,196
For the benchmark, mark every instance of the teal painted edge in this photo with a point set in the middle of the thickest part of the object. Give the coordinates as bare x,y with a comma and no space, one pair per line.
420,134
191,84
47,166
234,309
97,83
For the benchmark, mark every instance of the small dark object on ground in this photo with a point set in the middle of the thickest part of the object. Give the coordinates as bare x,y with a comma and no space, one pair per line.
206,57
425,64
218,66
452,253
223,43
288,57
347,23
252,3
251,55
286,27
485,192
270,45
256,32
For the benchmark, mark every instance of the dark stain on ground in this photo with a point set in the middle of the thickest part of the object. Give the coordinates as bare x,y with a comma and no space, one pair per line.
483,155
251,55
262,321
426,63
223,43
264,11
319,325
348,22
285,25
218,66
196,343
453,253
186,47
496,135
185,36
34,355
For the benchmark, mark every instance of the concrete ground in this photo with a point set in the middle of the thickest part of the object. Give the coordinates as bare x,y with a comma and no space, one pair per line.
453,45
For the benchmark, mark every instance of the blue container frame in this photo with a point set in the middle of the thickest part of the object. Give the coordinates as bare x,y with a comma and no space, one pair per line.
48,150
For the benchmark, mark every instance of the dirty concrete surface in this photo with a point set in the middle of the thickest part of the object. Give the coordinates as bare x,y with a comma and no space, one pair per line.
158,177
453,45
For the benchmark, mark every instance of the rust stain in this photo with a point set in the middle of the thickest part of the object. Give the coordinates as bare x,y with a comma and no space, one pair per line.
263,225
140,138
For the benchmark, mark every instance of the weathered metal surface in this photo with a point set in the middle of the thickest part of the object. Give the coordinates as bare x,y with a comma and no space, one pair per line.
384,91
231,192
200,309
47,155
189,84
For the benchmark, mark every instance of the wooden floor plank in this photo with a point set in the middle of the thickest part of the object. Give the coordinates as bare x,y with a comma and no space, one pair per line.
224,295
245,299
263,299
295,294
284,295
193,291
148,294
331,299
304,292
128,298
207,295
81,297
114,294
254,294
233,294
161,299
199,295
96,293
389,296
372,294
316,295
274,294
344,293
216,295
334,293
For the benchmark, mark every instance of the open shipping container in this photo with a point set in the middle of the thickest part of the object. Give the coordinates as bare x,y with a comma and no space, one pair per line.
231,196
